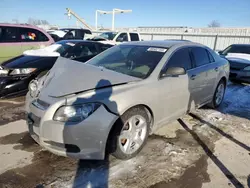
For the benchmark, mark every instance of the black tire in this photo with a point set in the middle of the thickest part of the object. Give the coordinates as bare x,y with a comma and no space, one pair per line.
118,126
213,104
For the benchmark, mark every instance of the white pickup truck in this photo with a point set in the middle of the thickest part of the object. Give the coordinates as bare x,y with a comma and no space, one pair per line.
116,37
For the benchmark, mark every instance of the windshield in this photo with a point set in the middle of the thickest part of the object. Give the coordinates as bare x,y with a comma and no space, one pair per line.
108,35
64,47
237,49
132,60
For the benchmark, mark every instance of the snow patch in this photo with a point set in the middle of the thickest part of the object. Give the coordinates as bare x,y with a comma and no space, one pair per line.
124,167
215,116
237,99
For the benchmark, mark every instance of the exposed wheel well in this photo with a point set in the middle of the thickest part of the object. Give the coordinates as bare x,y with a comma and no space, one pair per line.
224,80
148,110
113,130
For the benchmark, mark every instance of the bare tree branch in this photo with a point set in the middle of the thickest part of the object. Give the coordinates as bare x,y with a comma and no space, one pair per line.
214,23
37,22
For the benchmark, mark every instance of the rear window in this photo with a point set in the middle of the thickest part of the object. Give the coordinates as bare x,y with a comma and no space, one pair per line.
134,37
200,56
211,58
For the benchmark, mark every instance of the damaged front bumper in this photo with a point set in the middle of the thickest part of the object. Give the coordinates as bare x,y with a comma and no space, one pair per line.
83,140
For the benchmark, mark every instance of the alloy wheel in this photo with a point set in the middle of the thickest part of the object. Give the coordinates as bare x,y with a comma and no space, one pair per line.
133,134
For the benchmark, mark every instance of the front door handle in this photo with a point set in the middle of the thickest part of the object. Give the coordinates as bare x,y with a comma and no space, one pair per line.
193,77
216,69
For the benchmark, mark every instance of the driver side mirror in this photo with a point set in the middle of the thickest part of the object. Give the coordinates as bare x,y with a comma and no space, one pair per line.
173,71
219,52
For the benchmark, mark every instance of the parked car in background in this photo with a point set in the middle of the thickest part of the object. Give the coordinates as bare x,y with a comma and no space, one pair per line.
16,38
114,101
69,34
238,56
116,37
16,73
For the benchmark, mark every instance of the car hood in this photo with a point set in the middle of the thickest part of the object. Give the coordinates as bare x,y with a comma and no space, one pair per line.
239,58
47,51
70,77
24,61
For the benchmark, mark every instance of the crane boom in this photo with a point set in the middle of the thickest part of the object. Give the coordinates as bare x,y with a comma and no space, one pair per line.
70,12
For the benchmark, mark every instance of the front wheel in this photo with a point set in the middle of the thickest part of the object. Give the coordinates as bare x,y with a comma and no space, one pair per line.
133,130
218,95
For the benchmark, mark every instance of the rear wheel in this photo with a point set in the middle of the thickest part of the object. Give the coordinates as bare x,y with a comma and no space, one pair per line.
133,130
218,94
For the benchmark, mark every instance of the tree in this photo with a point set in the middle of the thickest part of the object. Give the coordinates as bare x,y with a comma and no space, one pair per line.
214,23
37,22
15,21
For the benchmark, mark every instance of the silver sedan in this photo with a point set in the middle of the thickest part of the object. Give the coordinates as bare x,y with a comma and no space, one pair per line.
114,101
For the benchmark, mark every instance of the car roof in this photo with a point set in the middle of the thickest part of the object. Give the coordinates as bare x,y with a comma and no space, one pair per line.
69,28
247,45
161,43
19,25
75,41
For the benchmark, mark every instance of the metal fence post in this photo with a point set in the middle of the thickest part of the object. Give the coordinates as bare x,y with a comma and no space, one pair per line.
182,37
215,42
152,36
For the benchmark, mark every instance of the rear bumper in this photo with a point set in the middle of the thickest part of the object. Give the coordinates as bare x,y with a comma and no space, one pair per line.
14,86
243,76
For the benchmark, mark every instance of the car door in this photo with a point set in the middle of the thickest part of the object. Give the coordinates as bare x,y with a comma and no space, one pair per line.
174,95
10,44
32,39
203,75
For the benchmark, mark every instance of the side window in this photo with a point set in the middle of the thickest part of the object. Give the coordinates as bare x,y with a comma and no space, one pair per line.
180,58
210,56
82,50
122,37
32,35
200,56
9,34
104,47
134,36
70,34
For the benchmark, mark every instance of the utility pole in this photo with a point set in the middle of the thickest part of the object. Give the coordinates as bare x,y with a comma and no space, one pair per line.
113,12
96,16
117,11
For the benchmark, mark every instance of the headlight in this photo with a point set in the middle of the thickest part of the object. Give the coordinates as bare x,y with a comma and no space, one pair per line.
4,72
22,71
33,86
247,68
75,113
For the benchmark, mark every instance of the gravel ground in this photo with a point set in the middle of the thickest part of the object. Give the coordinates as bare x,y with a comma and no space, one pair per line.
208,148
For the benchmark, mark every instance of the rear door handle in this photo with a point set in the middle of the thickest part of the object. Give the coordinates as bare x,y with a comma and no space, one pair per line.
216,69
193,77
